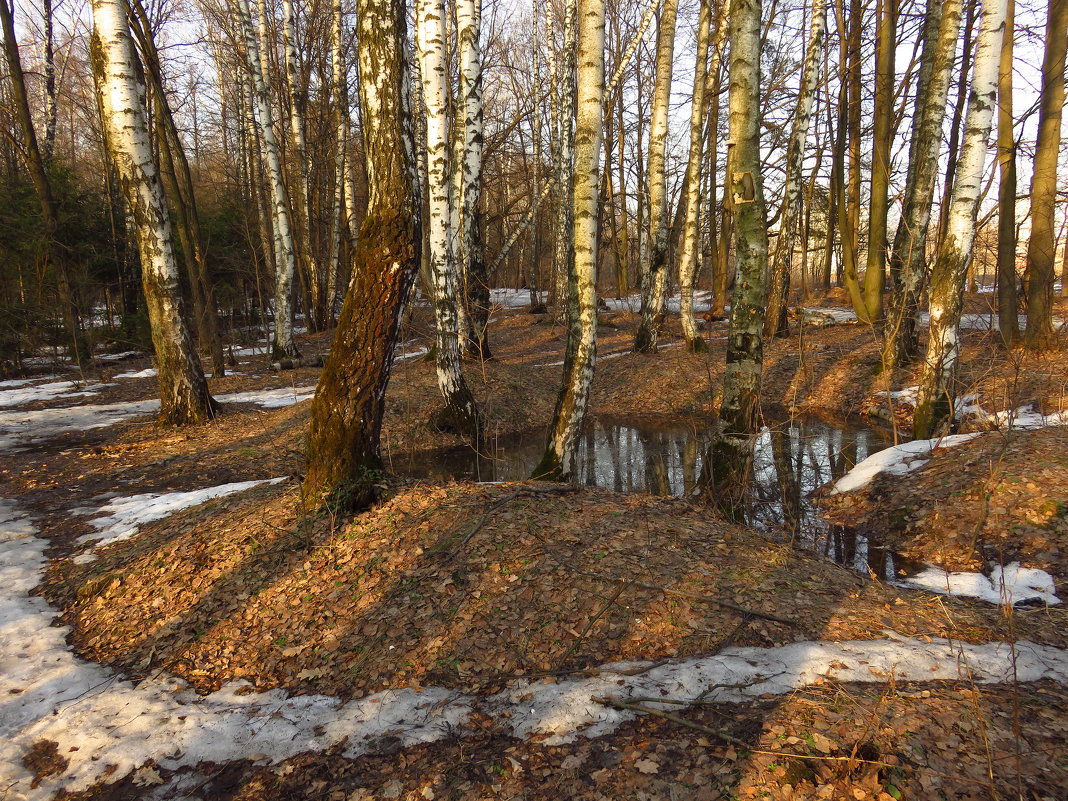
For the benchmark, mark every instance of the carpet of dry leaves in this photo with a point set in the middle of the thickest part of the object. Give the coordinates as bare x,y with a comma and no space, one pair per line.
469,586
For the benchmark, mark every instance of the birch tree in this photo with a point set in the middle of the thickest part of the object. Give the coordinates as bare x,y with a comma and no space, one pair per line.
1042,247
654,259
934,408
782,262
476,277
460,414
581,349
344,463
1008,314
184,396
282,345
692,181
909,258
740,408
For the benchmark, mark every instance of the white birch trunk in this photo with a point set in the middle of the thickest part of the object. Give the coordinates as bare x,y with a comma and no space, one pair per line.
934,408
654,264
468,33
740,408
184,394
563,80
460,413
688,249
782,262
582,333
283,346
909,258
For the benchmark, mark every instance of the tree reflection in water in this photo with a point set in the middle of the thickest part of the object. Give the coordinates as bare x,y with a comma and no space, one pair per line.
789,461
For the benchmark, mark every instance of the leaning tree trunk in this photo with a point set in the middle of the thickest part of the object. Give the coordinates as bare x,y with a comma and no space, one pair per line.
283,346
579,359
468,31
346,416
120,86
934,407
740,408
782,262
909,260
688,250
460,413
1041,247
654,262
1008,312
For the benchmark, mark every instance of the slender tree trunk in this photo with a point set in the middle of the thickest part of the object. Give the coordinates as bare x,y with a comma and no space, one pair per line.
740,408
563,79
934,408
654,263
1008,303
460,413
782,262
346,416
909,261
320,315
1041,246
579,358
282,347
120,86
958,113
690,232
879,203
850,207
51,109
468,32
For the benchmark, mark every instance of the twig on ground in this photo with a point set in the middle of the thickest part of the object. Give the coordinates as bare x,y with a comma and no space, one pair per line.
590,624
504,499
717,733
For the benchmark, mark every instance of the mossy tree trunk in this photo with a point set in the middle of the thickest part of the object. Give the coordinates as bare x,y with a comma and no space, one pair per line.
346,416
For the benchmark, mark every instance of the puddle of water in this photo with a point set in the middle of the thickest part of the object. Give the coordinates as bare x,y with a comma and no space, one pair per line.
791,460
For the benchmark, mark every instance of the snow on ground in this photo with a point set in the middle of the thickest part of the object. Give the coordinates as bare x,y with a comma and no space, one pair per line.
967,406
18,429
1010,585
107,727
118,357
148,372
123,516
270,398
896,460
44,392
21,382
909,456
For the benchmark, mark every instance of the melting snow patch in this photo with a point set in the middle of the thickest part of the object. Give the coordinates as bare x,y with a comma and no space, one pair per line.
125,515
21,428
1009,585
270,398
118,357
47,693
149,372
42,392
896,460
